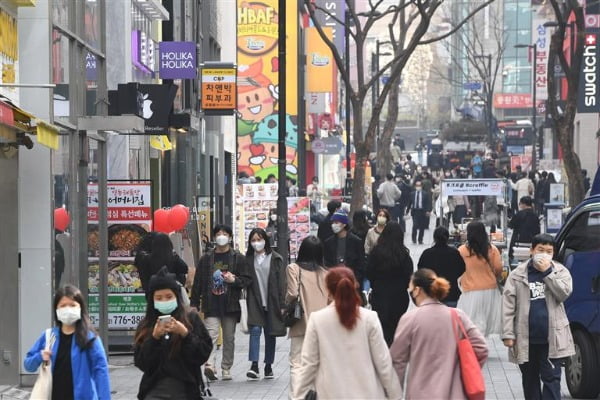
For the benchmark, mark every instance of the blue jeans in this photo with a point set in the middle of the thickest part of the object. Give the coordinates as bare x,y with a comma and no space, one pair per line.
254,353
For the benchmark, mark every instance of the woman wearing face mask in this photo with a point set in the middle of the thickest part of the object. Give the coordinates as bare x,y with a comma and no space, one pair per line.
79,367
170,345
266,300
425,337
383,217
271,228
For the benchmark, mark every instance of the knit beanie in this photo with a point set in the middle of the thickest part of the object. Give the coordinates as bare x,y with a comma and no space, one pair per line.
340,216
163,280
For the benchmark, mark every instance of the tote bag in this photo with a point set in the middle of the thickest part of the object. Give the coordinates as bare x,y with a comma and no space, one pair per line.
244,312
42,390
470,370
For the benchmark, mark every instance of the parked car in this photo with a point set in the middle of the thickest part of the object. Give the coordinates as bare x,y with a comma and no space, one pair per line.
578,248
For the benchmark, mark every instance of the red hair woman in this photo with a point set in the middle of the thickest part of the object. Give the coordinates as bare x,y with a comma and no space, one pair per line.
344,353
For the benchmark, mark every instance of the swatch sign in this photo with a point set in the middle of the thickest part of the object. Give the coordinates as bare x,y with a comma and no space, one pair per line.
177,60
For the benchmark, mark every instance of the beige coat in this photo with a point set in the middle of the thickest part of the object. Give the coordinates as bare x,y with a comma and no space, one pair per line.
425,344
313,294
346,364
515,312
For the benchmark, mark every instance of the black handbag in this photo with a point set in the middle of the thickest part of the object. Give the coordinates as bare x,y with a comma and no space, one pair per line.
311,395
293,311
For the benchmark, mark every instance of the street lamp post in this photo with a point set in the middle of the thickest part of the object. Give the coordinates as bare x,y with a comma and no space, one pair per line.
534,106
347,45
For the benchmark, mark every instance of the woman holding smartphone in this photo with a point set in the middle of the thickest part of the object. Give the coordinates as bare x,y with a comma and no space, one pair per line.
171,344
79,367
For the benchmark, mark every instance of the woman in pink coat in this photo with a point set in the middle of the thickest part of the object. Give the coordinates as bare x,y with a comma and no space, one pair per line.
425,340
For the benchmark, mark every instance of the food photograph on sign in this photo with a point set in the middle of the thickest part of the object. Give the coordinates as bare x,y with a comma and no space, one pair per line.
298,222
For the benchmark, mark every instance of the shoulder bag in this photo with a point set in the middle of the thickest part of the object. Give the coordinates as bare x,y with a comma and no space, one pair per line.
244,312
293,311
42,390
470,370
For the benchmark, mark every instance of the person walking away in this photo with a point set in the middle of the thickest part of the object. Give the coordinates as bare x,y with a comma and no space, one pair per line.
525,225
307,274
160,253
461,206
271,228
383,217
540,194
389,270
344,355
404,201
265,299
79,366
345,248
551,180
325,231
445,261
535,327
524,186
388,193
420,210
426,337
477,166
480,298
221,275
314,192
171,343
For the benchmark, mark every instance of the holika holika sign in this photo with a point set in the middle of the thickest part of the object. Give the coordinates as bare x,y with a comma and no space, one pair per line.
473,187
177,60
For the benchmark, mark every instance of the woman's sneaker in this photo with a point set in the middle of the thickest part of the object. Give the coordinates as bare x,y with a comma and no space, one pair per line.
252,373
268,372
226,375
210,374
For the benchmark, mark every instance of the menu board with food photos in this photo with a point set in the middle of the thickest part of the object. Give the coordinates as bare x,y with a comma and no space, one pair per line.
129,219
254,204
298,222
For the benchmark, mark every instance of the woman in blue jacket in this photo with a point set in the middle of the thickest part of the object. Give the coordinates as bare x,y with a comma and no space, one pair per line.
79,366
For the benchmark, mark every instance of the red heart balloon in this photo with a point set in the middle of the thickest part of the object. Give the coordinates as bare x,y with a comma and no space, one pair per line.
161,221
61,219
178,218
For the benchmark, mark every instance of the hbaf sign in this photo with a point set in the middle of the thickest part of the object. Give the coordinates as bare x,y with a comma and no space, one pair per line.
177,60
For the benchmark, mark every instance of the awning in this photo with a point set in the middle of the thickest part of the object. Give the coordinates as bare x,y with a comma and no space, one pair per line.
14,119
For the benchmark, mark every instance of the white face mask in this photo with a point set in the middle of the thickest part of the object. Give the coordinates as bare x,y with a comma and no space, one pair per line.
274,218
222,240
336,228
68,315
258,246
381,220
538,257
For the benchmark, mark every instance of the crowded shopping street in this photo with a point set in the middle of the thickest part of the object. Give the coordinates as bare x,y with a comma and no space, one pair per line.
299,199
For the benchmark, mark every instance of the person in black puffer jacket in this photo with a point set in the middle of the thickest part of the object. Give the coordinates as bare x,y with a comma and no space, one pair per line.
154,252
170,353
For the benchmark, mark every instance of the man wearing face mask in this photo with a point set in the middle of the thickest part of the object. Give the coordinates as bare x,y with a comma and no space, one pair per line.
221,275
534,323
344,248
420,210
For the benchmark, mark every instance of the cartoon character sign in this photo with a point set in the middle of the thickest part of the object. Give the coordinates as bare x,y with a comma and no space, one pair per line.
258,124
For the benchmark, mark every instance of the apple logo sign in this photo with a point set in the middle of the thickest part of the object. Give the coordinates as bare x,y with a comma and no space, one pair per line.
147,110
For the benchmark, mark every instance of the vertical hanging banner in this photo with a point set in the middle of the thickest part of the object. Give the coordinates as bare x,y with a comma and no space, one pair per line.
218,89
319,62
258,88
587,95
541,13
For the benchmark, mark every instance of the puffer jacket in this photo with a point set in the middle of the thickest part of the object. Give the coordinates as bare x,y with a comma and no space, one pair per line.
515,312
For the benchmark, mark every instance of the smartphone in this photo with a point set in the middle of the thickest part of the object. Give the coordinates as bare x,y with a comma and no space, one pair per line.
164,319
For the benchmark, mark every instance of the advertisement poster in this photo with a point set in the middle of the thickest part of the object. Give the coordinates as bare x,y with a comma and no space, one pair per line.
473,187
554,218
258,89
298,222
129,219
557,193
202,216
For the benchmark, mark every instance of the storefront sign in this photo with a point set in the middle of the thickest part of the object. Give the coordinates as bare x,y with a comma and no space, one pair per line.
218,89
129,219
473,187
157,106
319,62
142,51
9,45
6,114
588,100
91,71
541,38
177,60
512,100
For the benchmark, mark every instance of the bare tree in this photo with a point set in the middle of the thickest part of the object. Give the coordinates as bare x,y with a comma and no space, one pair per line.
418,16
563,119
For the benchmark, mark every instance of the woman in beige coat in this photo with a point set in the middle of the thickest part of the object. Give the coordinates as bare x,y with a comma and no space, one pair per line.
425,340
344,354
308,275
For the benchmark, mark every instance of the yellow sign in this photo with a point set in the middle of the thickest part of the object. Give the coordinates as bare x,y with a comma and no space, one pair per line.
218,89
47,134
319,61
258,88
9,42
